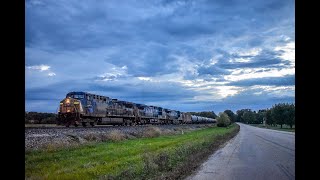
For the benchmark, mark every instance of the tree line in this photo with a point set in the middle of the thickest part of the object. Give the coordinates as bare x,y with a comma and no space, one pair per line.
39,118
278,114
208,114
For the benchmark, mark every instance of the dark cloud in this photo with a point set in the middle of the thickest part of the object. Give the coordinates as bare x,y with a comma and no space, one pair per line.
265,59
83,41
212,70
267,81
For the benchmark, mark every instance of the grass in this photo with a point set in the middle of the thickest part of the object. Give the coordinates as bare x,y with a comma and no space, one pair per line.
142,158
278,127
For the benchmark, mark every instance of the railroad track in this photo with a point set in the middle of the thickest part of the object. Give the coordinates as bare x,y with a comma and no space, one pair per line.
102,126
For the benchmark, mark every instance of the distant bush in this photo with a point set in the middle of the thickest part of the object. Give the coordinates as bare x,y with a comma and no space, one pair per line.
91,137
223,120
48,120
208,114
116,135
152,132
34,121
40,118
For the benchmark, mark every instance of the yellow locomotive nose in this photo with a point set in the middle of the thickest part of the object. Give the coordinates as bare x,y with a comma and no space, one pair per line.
70,105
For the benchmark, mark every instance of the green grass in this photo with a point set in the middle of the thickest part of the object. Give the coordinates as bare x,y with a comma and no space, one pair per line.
278,127
137,158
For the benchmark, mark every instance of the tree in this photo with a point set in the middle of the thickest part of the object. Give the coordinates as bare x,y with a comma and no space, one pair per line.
260,116
282,113
231,115
289,115
223,120
40,117
278,113
268,117
239,115
214,116
249,117
208,114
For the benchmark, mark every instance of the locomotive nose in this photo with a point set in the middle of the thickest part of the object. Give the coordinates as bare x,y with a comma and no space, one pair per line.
70,105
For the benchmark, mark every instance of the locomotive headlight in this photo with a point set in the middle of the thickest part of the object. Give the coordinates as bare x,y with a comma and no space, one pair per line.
68,101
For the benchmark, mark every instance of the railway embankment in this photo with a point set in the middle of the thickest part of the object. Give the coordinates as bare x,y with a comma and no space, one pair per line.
51,138
152,154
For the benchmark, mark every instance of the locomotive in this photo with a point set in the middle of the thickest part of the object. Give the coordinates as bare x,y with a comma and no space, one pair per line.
86,108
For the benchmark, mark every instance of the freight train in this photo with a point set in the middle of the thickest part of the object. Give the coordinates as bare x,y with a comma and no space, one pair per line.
82,108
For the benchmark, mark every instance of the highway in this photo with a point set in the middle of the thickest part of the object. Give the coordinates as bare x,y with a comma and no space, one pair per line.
255,153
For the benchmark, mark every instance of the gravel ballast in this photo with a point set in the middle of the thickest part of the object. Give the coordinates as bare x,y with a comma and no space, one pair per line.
46,137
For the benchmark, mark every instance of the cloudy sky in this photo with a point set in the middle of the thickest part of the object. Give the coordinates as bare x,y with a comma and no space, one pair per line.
190,55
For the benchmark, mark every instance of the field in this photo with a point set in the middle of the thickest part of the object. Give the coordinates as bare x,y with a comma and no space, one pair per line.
170,156
278,127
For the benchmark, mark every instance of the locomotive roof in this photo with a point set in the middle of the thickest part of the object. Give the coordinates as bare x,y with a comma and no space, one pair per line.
82,92
125,102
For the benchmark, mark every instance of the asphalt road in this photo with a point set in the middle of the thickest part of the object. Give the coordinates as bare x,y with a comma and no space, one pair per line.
255,153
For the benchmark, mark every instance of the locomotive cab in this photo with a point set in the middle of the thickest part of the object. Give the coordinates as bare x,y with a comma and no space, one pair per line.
70,105
82,108
70,111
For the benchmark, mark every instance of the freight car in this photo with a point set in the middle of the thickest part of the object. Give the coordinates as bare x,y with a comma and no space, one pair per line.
86,108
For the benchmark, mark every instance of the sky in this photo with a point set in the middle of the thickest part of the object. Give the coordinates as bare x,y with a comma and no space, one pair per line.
187,55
